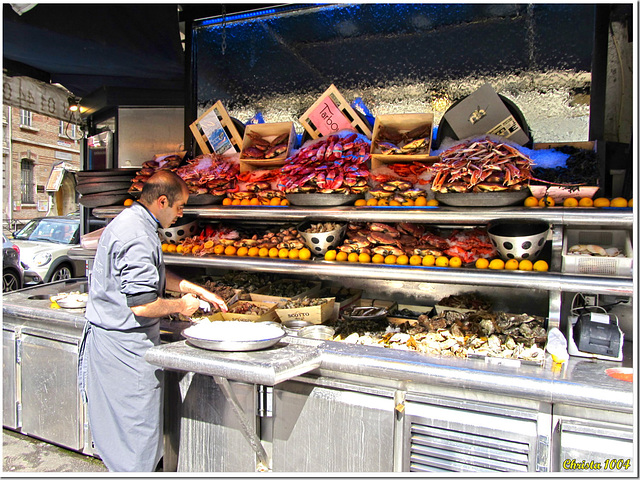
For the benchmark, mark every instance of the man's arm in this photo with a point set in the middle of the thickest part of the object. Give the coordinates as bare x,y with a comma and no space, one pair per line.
161,307
179,284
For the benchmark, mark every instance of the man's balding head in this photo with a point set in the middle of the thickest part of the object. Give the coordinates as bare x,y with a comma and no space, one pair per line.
163,182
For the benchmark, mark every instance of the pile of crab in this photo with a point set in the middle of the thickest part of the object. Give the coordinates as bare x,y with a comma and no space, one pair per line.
261,148
335,164
160,162
393,141
258,183
209,173
481,166
414,239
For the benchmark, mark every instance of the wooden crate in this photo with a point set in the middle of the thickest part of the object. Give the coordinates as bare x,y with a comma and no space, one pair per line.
268,131
340,110
216,111
403,122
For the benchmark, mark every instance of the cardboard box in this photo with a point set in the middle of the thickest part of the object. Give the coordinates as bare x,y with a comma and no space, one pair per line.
262,294
266,317
484,112
316,314
215,132
354,296
403,123
268,131
422,309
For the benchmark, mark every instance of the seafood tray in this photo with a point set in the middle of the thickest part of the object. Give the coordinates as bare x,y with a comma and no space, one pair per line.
295,289
267,144
323,199
315,314
267,308
620,266
402,125
332,101
483,199
219,113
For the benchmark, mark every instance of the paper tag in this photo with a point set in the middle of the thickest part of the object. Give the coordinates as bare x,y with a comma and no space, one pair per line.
214,132
599,317
328,118
508,362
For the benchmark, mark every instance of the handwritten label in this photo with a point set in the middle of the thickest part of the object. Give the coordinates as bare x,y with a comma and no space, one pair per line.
328,118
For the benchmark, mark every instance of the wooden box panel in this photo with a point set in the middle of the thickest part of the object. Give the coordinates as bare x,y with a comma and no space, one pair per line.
225,121
332,101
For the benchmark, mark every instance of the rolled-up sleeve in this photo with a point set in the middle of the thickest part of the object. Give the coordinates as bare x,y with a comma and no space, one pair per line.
139,273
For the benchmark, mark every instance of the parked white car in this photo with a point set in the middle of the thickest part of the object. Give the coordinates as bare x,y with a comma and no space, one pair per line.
44,244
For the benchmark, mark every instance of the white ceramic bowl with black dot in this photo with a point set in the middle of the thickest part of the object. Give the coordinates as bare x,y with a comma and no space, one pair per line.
183,228
522,240
319,243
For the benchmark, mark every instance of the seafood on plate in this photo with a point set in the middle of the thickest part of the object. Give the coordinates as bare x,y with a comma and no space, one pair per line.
393,141
209,173
481,166
148,168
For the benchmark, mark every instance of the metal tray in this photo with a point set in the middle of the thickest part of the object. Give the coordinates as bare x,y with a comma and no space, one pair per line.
483,199
323,199
204,199
233,345
71,303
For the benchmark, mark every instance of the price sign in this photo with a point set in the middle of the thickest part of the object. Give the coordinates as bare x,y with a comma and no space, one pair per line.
38,97
328,118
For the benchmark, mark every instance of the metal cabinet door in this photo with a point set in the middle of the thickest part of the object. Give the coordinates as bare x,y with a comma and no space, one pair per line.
9,378
51,403
323,429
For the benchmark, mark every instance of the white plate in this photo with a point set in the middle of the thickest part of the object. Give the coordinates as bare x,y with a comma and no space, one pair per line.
233,336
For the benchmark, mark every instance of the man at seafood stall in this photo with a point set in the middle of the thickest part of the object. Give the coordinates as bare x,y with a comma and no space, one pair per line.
126,301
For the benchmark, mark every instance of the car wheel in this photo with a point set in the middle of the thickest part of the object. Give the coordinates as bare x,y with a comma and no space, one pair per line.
10,281
63,272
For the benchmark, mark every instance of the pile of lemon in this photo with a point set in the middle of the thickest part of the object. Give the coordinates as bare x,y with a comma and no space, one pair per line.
572,202
513,264
230,250
384,202
255,201
414,260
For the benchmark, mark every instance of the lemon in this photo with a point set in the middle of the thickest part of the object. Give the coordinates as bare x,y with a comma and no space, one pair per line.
165,246
242,251
377,258
330,255
496,264
525,265
585,202
442,262
283,253
421,202
172,248
546,202
342,256
361,202
352,257
394,203
455,262
570,202
531,202
601,202
273,252
390,259
482,263
511,264
372,202
304,254
231,250
619,202
415,260
263,252
630,203
408,203
402,260
433,203
294,254
383,202
364,258
540,266
428,260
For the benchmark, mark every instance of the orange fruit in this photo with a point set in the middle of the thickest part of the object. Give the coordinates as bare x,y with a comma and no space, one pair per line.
390,259
525,265
186,249
630,203
218,249
330,255
402,260
245,201
364,258
263,252
273,252
540,266
383,202
546,202
442,261
236,201
570,202
179,249
433,203
408,203
455,262
128,202
196,248
496,264
352,257
253,251
377,258
601,202
619,202
372,202
421,202
394,203
285,202
294,253
511,264
283,253
531,202
208,244
361,202
264,201
171,248
482,263
585,202
415,260
165,246
254,201
305,254
230,250
227,201
342,256
428,260
275,201
242,251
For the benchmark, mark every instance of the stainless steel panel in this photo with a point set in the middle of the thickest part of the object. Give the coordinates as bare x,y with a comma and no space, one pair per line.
9,379
210,435
322,429
51,404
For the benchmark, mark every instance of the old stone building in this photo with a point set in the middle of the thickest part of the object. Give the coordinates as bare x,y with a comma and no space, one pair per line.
39,156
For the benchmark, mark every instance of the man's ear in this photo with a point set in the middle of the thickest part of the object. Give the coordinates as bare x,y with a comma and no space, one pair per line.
163,201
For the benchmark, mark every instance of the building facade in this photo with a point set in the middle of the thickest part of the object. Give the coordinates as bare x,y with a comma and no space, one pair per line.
33,145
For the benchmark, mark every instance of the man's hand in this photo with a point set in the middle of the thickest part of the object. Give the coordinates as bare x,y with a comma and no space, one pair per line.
213,299
191,304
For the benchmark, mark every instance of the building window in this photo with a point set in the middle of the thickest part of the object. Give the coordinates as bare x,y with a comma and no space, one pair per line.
25,118
68,130
26,181
61,129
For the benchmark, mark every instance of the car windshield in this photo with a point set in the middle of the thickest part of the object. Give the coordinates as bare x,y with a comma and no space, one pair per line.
48,230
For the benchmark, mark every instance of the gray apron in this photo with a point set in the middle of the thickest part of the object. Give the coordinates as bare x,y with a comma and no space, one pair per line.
122,390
